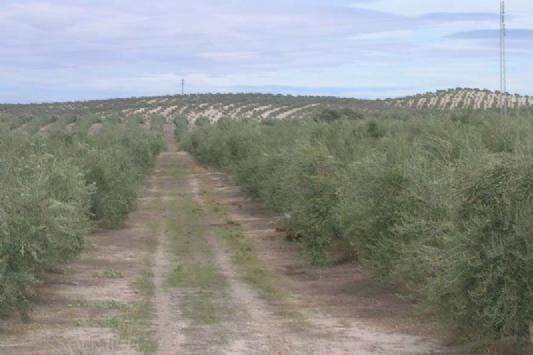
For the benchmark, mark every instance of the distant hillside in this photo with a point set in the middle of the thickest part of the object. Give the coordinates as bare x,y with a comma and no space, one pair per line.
193,107
455,99
213,107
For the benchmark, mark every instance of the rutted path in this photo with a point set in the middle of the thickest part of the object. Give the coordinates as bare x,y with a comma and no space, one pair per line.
250,315
237,320
199,269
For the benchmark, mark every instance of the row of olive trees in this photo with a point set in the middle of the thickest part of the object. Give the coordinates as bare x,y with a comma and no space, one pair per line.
441,205
53,189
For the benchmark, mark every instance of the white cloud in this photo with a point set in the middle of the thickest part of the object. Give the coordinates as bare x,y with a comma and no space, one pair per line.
420,7
120,48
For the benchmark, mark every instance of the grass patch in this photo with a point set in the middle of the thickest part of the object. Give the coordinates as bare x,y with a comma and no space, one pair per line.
109,274
133,323
205,307
145,284
200,276
106,305
244,256
231,222
153,228
216,207
254,272
184,229
202,288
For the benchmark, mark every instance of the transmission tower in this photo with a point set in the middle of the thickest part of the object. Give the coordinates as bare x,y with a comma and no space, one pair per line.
182,87
503,61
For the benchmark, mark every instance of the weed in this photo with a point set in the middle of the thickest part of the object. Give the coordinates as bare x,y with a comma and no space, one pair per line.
110,274
198,276
133,323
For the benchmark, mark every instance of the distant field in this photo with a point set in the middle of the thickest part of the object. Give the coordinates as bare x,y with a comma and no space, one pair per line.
457,99
213,107
189,107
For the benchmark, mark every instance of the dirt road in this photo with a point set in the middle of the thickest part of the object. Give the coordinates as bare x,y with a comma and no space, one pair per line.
199,269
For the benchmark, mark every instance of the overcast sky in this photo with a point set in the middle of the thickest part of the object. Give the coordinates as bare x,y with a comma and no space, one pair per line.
56,50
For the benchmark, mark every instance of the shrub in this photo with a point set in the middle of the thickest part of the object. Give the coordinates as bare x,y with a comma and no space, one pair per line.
115,162
313,204
437,204
487,281
50,189
44,217
331,115
373,203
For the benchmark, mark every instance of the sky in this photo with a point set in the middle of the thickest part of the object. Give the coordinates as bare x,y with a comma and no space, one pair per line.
59,50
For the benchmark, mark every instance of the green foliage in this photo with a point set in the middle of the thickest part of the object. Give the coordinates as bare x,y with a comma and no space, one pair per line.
50,189
438,204
115,164
43,215
488,274
372,207
181,127
331,115
314,199
193,275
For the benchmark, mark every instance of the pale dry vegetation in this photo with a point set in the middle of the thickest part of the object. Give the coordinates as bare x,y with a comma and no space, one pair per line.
460,99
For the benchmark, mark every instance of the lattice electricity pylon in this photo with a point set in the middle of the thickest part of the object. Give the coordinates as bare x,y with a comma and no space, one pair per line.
503,61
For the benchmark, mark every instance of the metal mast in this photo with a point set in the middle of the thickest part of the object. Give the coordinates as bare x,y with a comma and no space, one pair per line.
182,87
503,61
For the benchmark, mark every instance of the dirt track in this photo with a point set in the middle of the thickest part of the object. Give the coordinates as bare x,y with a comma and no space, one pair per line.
170,281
